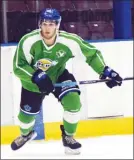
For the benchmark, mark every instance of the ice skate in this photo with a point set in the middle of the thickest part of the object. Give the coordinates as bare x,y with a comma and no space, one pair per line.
72,147
21,140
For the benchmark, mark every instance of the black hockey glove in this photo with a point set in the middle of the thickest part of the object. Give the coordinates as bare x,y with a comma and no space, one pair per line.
41,79
110,73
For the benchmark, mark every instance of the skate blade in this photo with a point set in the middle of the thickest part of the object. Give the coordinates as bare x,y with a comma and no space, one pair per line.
33,136
69,151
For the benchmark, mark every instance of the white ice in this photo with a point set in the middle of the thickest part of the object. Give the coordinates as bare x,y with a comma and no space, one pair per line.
105,147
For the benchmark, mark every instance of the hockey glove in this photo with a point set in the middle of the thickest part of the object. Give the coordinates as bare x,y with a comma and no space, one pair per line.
116,80
41,79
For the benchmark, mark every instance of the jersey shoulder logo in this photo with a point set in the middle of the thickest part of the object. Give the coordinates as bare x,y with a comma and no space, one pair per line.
45,63
60,53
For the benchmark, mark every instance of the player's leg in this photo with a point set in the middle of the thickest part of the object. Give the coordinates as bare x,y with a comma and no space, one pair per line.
70,99
29,108
71,104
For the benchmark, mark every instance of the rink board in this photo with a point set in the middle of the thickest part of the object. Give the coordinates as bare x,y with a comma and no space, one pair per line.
87,128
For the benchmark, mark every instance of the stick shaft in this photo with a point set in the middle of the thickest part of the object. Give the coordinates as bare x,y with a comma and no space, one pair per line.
88,82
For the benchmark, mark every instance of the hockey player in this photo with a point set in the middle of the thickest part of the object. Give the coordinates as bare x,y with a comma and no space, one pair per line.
39,63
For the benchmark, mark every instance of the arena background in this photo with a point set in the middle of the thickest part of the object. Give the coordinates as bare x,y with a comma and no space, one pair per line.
94,20
91,19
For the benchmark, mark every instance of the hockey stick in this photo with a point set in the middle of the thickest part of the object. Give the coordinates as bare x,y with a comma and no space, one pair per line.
87,82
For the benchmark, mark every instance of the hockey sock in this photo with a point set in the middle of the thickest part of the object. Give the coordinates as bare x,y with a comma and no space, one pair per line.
26,122
71,104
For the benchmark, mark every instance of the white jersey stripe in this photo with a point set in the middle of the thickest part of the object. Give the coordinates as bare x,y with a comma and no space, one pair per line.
24,53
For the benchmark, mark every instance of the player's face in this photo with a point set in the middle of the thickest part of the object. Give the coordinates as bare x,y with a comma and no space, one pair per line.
48,29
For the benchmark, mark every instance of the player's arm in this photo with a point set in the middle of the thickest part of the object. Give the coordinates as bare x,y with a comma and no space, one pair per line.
23,69
95,59
21,63
93,56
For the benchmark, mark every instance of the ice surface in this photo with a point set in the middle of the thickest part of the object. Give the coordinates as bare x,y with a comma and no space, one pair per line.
105,147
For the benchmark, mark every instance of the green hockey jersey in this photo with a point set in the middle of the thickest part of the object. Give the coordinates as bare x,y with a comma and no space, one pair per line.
32,53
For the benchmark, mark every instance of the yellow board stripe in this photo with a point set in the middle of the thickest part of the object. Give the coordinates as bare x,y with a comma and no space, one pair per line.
86,128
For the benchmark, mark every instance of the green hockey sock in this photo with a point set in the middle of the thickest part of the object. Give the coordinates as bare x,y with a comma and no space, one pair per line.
26,122
71,104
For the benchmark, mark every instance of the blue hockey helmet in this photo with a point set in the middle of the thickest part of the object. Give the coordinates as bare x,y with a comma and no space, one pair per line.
49,14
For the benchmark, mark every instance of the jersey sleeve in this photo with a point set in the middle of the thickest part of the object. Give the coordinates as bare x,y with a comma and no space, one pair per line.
21,63
93,56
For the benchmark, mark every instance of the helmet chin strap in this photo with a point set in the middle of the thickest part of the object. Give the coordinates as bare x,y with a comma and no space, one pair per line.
57,28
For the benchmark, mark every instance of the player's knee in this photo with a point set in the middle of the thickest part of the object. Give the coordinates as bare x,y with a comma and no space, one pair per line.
25,118
71,102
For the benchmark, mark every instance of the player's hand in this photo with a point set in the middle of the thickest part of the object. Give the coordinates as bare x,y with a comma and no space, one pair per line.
116,80
42,80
